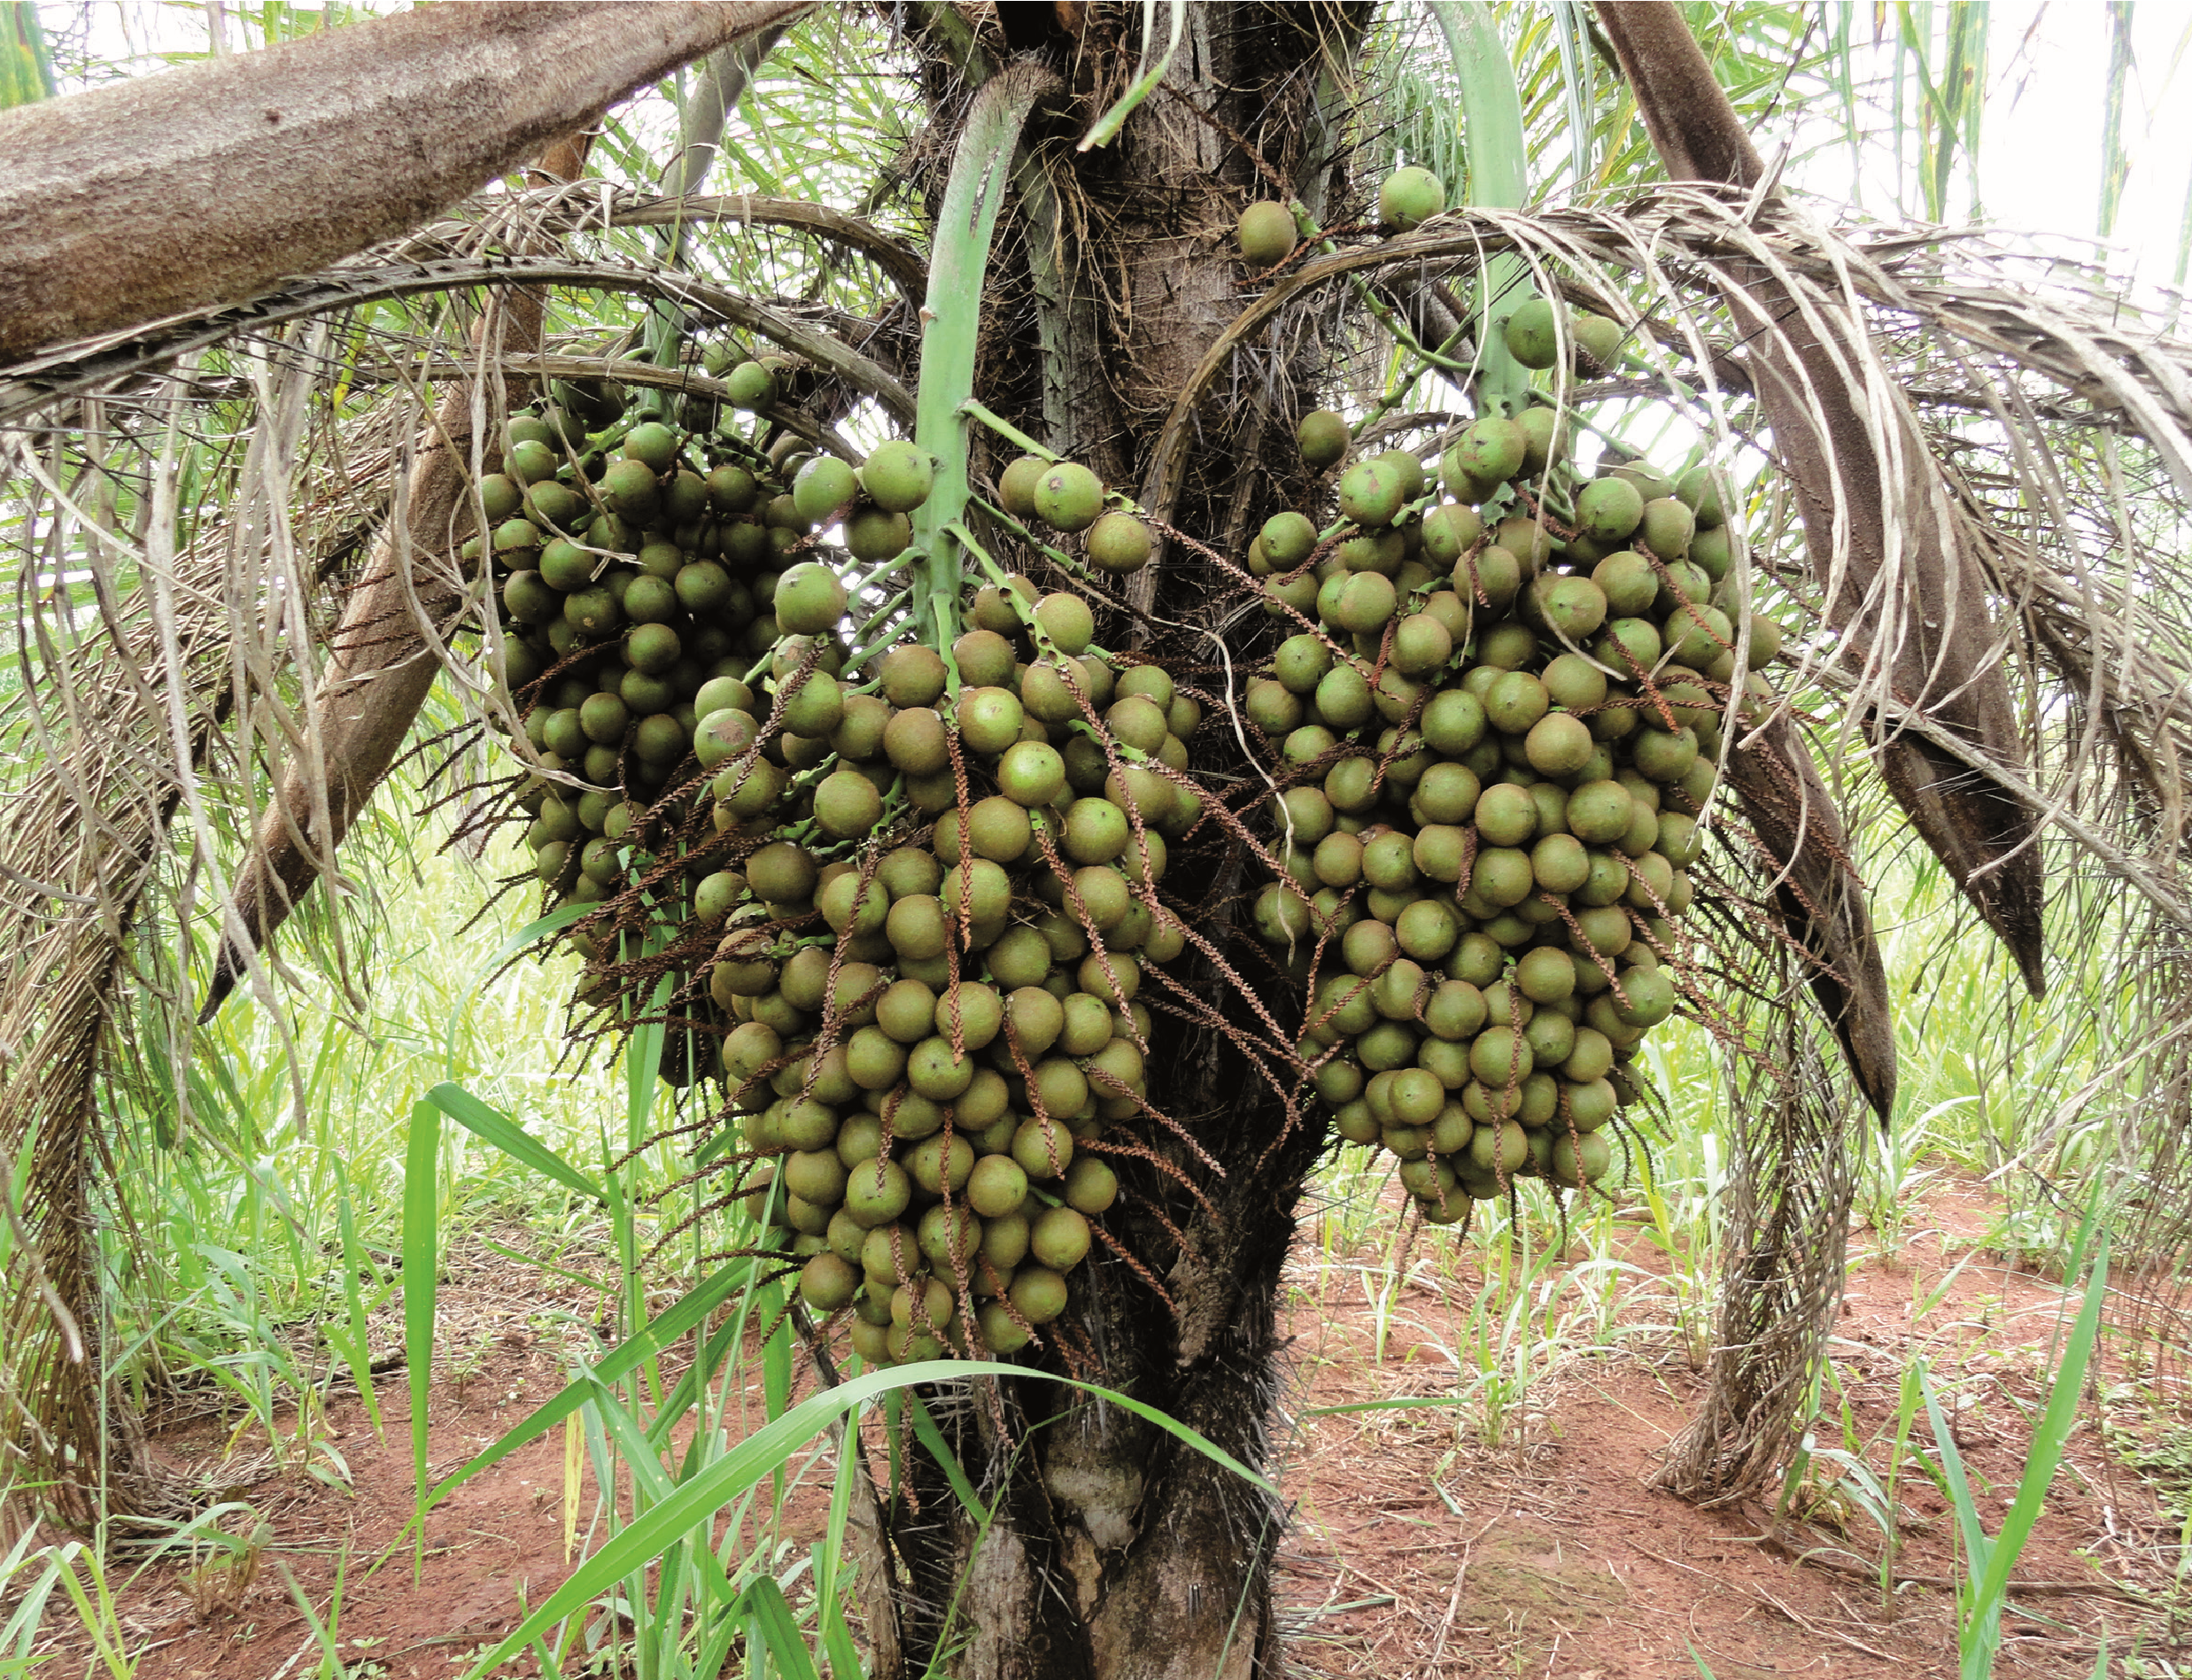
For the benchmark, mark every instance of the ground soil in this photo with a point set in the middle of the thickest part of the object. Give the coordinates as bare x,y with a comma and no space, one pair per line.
1524,1538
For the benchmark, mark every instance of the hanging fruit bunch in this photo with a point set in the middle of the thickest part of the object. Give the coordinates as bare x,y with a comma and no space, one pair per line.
904,896
1494,730
890,861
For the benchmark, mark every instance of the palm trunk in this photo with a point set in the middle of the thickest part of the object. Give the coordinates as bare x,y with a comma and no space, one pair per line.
1111,1550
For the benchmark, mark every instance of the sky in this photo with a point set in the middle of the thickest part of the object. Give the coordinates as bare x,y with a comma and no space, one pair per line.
2040,154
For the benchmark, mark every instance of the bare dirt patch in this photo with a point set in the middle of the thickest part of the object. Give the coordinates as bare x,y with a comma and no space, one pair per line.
1515,1530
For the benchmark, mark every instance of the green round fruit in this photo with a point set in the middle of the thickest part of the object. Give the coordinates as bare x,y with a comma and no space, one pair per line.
1016,486
1514,702
1545,438
1532,335
1066,620
594,611
1453,722
654,442
1371,492
1301,662
873,535
1266,234
1668,527
815,707
823,485
1651,997
629,488
1597,340
1323,439
703,588
1489,452
1572,607
751,386
1365,603
1068,497
1422,644
554,505
1699,491
898,476
1410,198
990,719
1628,582
809,600
1032,774
913,675
1288,539
515,541
1607,509
1559,745
847,805
1450,531
1118,543
731,489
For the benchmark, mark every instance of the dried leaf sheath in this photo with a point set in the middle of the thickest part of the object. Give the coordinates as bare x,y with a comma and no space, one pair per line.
1897,581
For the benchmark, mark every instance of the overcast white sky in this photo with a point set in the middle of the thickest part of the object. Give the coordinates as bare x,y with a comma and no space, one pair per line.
2040,156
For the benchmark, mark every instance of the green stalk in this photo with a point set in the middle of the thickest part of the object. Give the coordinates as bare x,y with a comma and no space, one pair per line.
951,327
1110,122
1499,157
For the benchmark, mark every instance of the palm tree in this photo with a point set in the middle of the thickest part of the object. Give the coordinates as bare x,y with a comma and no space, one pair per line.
1969,464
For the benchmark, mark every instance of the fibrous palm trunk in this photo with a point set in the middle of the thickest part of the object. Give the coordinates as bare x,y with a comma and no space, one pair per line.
1111,1550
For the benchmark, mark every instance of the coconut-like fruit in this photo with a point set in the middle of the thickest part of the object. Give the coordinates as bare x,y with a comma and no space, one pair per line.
1409,198
823,485
1530,334
1323,439
1597,341
1118,543
1266,234
898,475
752,386
809,600
1068,497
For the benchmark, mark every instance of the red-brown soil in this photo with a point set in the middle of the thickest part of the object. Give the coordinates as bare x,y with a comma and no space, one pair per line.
1421,1545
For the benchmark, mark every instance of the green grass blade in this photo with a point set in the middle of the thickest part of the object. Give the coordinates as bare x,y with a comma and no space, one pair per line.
1571,33
357,1343
1954,1482
643,1061
492,1126
2049,1440
836,1637
767,1449
422,1260
533,933
662,1331
2115,155
691,1387
777,1631
1414,1404
925,1430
